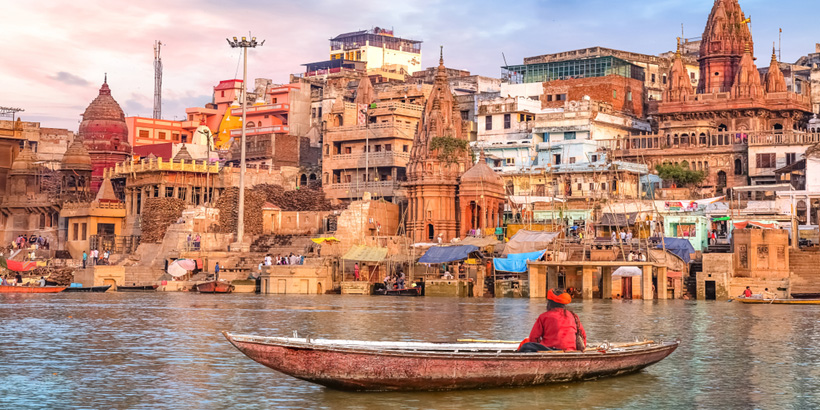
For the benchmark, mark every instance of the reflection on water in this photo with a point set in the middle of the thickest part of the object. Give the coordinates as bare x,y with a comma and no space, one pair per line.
127,350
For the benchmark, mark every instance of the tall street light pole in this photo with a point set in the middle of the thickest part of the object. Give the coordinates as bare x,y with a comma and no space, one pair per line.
244,44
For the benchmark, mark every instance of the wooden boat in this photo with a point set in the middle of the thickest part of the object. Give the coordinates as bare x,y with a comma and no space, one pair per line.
805,295
398,292
98,289
779,301
31,289
391,366
214,286
135,288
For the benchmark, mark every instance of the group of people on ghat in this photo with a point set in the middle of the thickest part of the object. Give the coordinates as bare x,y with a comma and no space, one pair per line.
194,242
622,236
95,258
33,241
556,329
636,256
397,280
17,280
291,259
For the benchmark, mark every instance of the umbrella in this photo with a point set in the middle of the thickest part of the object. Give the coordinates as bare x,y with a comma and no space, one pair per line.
628,271
180,267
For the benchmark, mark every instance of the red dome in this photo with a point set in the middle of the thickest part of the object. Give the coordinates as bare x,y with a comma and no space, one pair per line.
103,127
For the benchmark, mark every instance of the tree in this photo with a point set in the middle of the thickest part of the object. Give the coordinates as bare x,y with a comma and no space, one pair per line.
449,148
680,174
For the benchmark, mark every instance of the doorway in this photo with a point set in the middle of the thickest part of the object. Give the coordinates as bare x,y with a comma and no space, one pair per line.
626,287
710,293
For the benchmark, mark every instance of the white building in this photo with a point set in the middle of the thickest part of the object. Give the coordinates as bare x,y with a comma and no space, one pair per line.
379,48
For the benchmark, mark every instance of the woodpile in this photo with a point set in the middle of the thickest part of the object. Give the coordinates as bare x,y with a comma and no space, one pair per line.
61,276
304,199
228,205
157,215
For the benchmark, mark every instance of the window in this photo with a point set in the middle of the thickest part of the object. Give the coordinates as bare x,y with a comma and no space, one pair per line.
614,93
405,148
76,231
686,230
378,148
488,122
510,161
791,158
388,147
348,178
692,76
572,160
144,134
569,135
593,158
664,79
579,186
561,97
85,231
465,115
629,95
347,150
175,136
591,186
549,97
223,93
653,77
507,121
161,135
765,160
556,158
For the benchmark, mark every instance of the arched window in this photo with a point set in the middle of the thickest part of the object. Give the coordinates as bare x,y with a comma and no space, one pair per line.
251,124
722,128
778,128
303,180
703,139
738,166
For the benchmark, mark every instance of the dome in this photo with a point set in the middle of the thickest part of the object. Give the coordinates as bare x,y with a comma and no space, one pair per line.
481,172
24,163
76,157
103,127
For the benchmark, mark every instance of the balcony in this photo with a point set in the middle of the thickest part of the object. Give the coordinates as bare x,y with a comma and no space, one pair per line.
272,129
262,109
374,159
149,165
353,190
770,138
381,130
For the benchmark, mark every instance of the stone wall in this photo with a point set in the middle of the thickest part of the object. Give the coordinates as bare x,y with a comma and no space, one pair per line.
761,253
805,267
717,267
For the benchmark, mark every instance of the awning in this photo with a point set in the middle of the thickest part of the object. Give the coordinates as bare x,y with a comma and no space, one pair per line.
529,241
610,219
181,267
516,262
752,224
365,254
328,239
444,254
722,218
628,271
16,265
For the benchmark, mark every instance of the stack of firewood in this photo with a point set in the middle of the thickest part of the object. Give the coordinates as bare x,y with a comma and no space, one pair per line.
157,215
228,205
61,276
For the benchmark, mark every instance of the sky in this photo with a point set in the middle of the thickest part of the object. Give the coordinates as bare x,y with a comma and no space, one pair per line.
54,56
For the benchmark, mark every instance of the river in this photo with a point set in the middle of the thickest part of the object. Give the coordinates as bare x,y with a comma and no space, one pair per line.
165,350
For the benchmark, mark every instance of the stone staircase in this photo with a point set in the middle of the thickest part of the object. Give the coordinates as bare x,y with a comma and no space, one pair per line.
282,245
719,248
805,272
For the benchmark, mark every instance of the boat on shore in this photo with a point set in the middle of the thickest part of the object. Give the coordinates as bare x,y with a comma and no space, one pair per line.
135,288
407,366
214,286
805,295
761,301
31,289
96,289
398,292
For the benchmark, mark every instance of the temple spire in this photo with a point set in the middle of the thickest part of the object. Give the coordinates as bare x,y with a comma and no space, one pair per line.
679,82
775,80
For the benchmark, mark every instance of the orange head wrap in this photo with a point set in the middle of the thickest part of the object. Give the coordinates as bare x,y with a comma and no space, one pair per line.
559,296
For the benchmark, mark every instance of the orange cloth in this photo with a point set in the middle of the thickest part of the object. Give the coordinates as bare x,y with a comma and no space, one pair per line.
563,298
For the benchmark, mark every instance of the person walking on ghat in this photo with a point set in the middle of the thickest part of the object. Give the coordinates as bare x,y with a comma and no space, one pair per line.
85,258
556,329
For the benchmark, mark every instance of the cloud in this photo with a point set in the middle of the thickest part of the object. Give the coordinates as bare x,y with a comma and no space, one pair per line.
70,79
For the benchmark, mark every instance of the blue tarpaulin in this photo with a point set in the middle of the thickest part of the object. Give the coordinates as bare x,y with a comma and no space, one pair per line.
516,262
678,246
444,254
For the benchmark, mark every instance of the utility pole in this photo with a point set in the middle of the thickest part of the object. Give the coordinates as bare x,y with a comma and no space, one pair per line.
244,44
157,81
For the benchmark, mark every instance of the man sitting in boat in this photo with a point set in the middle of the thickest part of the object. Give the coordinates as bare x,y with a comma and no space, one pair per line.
556,329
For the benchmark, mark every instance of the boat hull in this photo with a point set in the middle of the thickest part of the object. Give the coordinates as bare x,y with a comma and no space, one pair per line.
96,289
363,369
398,292
214,287
147,288
31,289
780,301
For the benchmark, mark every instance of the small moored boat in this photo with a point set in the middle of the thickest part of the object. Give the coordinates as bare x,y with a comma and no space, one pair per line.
96,289
31,289
398,292
391,366
805,295
135,288
214,286
761,301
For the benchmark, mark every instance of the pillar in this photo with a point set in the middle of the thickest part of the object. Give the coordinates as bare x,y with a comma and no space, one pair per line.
662,282
586,282
646,283
538,280
552,277
606,292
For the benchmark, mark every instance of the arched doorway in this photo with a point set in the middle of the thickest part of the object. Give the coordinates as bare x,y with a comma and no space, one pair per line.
800,210
303,180
721,180
431,232
738,166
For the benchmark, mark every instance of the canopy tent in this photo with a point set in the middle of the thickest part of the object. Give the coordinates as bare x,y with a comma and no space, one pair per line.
681,247
753,224
181,267
365,254
480,242
16,266
613,219
516,262
722,218
628,271
444,254
320,240
529,241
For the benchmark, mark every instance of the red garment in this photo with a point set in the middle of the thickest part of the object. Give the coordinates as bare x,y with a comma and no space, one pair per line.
747,293
556,328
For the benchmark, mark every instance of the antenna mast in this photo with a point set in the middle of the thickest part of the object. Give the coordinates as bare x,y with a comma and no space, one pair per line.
157,80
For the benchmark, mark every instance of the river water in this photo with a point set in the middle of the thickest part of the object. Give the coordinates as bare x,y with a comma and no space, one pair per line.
165,350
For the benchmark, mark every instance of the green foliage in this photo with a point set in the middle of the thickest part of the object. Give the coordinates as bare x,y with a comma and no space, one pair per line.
449,148
680,174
